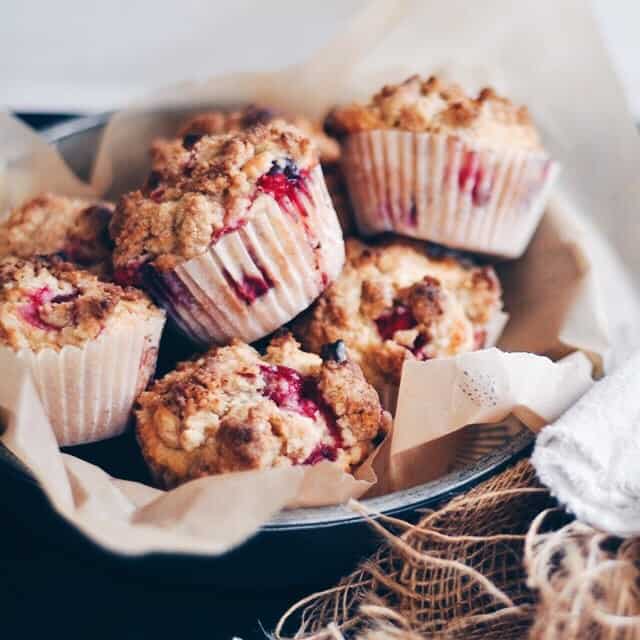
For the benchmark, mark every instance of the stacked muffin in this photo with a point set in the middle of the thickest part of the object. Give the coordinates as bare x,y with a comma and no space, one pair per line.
235,236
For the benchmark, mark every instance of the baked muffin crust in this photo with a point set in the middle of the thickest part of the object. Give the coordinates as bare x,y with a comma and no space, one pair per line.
210,196
168,156
436,107
49,224
48,303
393,301
233,409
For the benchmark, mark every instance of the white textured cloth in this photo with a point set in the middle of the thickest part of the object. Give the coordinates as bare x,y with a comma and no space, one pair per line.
590,457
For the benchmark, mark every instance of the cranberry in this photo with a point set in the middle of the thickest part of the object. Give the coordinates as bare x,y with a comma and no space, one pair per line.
399,318
130,275
218,233
67,297
30,312
334,351
322,452
190,140
257,115
293,392
418,344
157,194
153,181
284,386
287,166
479,338
283,181
471,175
250,288
413,215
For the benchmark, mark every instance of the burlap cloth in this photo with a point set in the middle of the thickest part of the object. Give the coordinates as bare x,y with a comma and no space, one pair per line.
500,561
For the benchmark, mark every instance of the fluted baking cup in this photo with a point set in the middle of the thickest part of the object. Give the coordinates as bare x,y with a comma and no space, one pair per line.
441,188
88,391
258,277
388,391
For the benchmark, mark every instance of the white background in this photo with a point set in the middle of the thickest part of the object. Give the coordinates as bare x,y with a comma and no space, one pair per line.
78,55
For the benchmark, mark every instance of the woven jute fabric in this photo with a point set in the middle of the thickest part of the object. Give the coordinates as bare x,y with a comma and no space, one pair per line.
497,562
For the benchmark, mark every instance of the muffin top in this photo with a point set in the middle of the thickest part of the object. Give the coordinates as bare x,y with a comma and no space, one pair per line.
48,303
211,195
233,409
393,301
48,224
435,107
169,156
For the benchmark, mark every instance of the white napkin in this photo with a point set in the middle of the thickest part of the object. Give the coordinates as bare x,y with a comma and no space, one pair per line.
590,457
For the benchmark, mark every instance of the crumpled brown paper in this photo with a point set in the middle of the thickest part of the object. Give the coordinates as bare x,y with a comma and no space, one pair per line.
559,294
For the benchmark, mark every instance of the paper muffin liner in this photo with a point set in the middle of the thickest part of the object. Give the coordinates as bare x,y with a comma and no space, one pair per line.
88,391
258,277
388,394
443,189
388,391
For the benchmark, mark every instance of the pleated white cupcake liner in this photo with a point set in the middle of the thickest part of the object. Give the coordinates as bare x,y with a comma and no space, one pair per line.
439,188
258,277
88,391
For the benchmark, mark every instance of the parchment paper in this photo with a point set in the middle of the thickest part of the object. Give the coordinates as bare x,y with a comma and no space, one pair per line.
568,292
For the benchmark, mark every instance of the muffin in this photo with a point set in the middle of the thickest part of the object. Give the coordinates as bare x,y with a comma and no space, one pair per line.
169,155
235,410
91,346
238,242
425,160
394,301
48,224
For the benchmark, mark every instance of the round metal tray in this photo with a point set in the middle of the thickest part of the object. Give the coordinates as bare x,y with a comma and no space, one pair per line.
333,537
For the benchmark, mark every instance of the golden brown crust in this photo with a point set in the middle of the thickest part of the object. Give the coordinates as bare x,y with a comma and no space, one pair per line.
433,106
48,303
213,192
51,224
169,156
233,410
394,302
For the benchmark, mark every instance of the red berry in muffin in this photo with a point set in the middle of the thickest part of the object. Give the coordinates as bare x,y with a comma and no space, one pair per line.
169,156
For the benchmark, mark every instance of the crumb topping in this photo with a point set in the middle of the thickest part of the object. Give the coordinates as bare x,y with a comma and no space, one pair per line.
393,301
169,156
210,196
49,224
48,303
233,409
436,107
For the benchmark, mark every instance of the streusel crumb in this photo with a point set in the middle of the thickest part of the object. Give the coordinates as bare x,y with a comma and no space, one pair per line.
432,106
49,224
210,196
169,156
48,303
233,409
394,301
